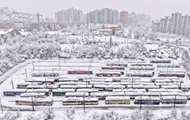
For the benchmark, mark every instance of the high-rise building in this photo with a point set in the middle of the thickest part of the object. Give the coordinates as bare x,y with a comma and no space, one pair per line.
164,25
104,16
69,15
175,23
185,25
123,17
115,15
155,26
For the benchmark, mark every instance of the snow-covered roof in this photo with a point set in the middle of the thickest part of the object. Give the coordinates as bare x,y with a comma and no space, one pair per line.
117,98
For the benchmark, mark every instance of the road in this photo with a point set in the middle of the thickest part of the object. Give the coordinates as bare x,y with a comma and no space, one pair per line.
12,71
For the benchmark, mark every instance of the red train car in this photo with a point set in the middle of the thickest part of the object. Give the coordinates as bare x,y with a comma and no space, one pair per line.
81,72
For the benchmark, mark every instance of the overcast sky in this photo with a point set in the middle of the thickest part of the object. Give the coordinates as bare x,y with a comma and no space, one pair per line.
155,8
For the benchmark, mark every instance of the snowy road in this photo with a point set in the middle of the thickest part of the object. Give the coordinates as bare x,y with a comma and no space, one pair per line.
9,73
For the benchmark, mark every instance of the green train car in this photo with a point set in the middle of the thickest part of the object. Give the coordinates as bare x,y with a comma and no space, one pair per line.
174,99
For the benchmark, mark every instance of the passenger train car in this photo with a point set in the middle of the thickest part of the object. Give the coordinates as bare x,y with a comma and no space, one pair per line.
174,99
147,100
80,101
35,102
117,100
80,72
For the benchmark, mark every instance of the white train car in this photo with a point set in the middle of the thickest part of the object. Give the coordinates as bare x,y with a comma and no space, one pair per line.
37,95
35,102
145,68
142,64
80,101
139,74
117,100
168,65
160,61
169,73
76,94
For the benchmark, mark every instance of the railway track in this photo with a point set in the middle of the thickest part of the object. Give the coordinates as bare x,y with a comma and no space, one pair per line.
36,108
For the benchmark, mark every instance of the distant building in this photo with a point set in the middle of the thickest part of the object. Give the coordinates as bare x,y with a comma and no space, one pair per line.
69,15
156,27
6,25
123,17
175,24
104,16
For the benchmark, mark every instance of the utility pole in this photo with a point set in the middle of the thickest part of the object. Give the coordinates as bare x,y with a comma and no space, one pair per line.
59,64
12,83
84,101
26,74
174,101
32,103
140,103
38,18
1,105
132,82
32,64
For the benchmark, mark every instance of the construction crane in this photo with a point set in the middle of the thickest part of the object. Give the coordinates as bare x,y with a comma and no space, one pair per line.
38,18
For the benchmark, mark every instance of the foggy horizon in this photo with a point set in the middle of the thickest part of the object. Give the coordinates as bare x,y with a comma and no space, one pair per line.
156,9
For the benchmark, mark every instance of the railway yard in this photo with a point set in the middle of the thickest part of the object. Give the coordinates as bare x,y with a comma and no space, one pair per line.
96,84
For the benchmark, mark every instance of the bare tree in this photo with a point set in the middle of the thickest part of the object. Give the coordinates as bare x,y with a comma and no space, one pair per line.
49,114
69,114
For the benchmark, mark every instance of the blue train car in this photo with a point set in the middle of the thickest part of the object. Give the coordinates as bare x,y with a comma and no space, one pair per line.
147,100
13,92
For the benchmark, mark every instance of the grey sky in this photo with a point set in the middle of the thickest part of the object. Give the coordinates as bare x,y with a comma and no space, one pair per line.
155,8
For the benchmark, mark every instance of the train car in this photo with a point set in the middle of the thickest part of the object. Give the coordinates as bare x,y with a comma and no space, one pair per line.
142,64
100,95
80,101
170,87
108,74
174,99
147,100
34,86
13,92
151,68
23,85
132,95
113,68
80,72
180,74
61,92
35,102
160,61
117,100
168,65
143,86
186,94
46,91
44,74
126,79
76,86
185,88
140,74
40,80
37,95
101,87
71,83
165,79
117,64
106,80
88,90
76,94
68,80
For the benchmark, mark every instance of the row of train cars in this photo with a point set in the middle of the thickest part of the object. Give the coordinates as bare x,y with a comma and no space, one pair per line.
109,86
